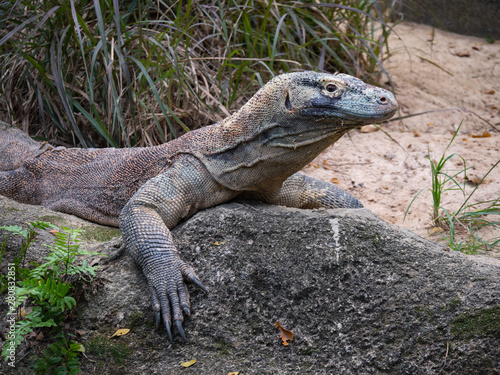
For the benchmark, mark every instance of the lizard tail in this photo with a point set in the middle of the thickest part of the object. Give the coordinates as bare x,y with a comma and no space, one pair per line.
17,149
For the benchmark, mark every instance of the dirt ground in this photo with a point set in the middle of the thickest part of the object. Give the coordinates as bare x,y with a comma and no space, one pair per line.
431,70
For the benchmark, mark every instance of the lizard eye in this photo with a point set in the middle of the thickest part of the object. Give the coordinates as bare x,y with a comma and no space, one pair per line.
331,88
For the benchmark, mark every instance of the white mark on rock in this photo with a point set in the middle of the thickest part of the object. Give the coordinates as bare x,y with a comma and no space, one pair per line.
335,228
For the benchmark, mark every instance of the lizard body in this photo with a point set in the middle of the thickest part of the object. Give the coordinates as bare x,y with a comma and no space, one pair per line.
255,153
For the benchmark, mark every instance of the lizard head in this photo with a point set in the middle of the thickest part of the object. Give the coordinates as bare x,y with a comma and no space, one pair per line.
341,99
287,123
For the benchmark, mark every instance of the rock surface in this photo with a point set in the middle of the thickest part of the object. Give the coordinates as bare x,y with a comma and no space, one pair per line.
361,297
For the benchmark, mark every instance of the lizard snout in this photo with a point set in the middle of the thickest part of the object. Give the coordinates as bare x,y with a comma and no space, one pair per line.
386,98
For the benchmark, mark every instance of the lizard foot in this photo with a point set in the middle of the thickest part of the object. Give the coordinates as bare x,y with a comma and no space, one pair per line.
169,294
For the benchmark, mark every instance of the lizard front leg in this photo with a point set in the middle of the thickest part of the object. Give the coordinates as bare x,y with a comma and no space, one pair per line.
302,191
145,222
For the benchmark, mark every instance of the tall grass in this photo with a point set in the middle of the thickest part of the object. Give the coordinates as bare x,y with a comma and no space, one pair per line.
125,73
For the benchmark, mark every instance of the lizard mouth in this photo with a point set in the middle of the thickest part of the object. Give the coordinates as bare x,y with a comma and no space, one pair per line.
373,112
381,107
363,114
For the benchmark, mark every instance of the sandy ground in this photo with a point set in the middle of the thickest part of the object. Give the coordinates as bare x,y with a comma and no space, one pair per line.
431,70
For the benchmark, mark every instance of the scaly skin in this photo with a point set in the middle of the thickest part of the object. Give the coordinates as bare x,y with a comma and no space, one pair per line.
256,154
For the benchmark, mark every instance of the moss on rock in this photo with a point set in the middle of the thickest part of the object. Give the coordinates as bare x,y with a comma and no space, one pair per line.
100,234
480,322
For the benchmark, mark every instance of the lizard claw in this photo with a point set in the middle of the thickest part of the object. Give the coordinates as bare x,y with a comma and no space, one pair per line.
198,283
169,332
189,274
157,320
178,323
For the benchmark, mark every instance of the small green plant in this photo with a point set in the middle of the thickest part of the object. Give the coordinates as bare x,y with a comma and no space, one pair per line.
467,219
28,236
441,181
46,287
104,348
60,358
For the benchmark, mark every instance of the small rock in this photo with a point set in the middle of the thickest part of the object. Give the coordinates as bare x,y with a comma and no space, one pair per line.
368,129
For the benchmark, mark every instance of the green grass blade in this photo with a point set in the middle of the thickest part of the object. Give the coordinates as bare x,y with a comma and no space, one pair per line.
99,126
17,28
482,179
55,64
165,109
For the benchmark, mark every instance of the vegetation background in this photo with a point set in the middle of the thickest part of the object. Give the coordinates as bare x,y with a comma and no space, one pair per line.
138,73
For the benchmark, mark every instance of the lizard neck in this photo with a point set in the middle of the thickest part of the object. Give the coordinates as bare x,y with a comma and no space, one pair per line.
264,143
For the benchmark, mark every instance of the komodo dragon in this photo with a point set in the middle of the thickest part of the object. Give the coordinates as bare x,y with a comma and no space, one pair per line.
255,154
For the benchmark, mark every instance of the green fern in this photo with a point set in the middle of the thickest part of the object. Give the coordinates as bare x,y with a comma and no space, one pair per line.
60,358
54,292
32,321
28,236
64,251
47,288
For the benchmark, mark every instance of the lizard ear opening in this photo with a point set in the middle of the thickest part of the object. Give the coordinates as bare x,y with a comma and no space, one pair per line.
288,103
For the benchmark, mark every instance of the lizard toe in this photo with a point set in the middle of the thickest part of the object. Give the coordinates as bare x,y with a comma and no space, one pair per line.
165,313
184,298
189,275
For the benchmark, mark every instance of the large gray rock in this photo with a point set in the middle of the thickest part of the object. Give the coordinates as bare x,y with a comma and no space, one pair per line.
361,297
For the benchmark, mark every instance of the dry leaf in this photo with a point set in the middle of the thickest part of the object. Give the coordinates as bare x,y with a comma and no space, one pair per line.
416,133
233,373
53,231
324,162
489,92
430,124
121,332
463,54
436,230
335,180
26,311
217,243
189,363
484,135
285,334
315,165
